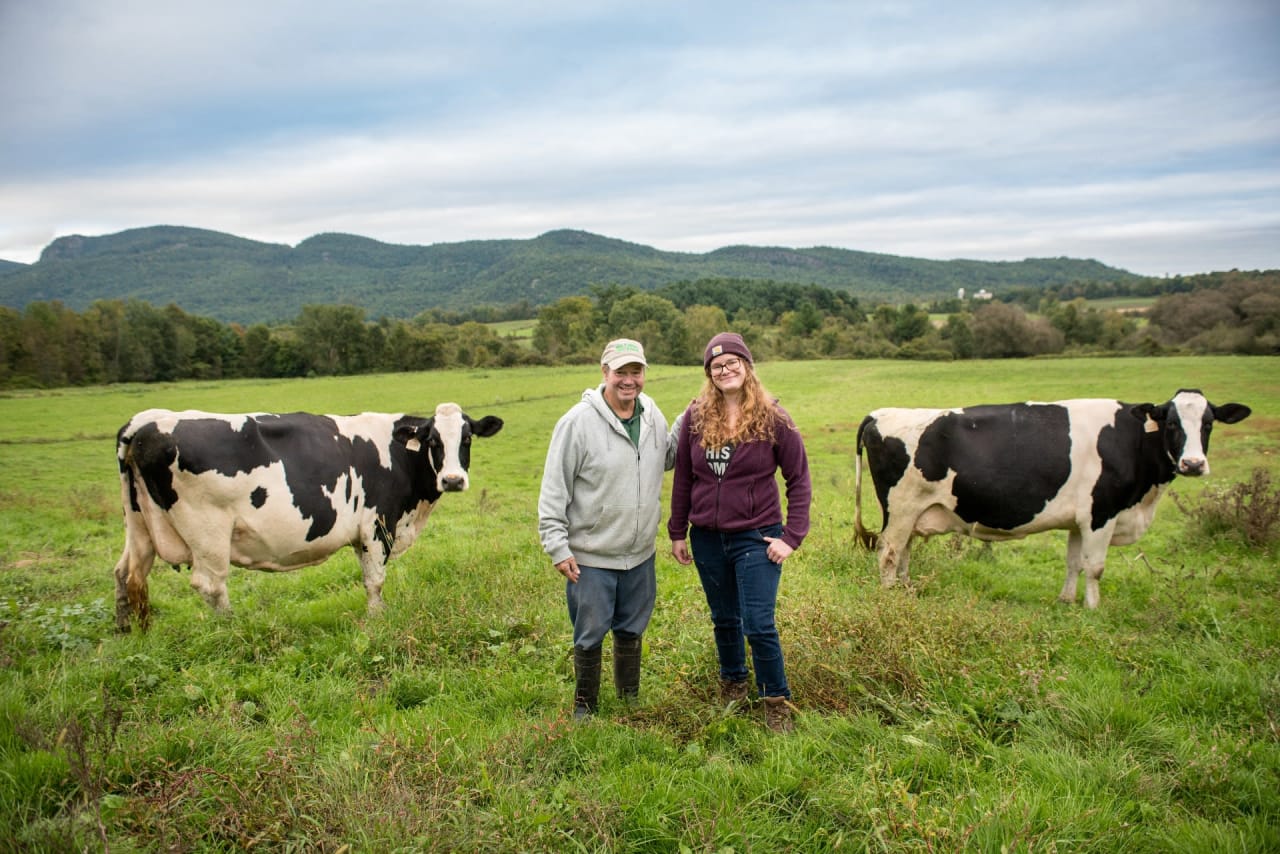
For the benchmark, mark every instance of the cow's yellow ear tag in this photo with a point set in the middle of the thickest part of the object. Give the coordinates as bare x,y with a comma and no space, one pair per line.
1151,426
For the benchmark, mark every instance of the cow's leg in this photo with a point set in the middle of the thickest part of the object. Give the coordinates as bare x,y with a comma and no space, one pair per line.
132,599
888,559
132,570
895,553
124,613
1093,561
373,566
209,571
904,561
208,532
1075,543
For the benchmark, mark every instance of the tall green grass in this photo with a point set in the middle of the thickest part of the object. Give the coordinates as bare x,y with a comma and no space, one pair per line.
971,712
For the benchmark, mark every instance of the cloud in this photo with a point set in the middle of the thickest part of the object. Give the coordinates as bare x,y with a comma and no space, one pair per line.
1143,134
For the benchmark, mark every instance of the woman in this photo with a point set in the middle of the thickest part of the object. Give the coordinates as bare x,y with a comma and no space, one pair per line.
733,438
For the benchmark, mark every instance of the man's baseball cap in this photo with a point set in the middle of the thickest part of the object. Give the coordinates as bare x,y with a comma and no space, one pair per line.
622,351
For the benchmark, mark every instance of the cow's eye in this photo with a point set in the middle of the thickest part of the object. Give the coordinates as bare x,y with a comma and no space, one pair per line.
466,440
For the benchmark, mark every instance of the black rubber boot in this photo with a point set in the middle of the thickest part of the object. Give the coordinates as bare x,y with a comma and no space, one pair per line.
586,674
626,665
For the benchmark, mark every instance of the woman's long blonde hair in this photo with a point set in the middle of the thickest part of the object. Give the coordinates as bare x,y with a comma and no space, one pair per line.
757,416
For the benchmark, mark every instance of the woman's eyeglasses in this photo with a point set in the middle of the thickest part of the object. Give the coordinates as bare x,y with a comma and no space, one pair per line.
728,366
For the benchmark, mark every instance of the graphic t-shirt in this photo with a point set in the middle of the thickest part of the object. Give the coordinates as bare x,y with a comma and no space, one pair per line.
718,459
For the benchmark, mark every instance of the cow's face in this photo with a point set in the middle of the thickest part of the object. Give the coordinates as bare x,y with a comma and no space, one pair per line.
446,439
1185,424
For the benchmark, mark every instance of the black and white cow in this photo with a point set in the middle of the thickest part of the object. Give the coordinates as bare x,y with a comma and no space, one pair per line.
1094,468
279,492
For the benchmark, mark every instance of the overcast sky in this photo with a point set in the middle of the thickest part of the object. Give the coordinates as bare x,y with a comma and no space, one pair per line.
1142,133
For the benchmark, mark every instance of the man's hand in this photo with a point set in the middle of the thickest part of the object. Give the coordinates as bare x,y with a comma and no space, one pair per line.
569,568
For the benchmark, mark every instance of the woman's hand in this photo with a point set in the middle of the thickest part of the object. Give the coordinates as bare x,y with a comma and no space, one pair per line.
680,551
777,551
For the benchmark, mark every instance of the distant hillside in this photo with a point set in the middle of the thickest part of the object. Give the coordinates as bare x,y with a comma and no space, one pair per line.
244,281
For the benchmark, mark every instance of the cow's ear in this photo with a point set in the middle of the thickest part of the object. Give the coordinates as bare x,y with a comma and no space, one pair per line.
404,433
1230,413
486,426
1151,416
411,435
1143,411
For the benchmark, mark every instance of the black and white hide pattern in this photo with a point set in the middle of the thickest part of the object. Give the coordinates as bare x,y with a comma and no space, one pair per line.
280,491
1095,468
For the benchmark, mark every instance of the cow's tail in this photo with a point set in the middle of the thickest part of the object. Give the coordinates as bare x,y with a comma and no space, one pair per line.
131,597
865,538
124,459
124,441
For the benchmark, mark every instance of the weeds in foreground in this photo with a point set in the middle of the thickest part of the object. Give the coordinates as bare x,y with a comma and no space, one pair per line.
1248,509
87,744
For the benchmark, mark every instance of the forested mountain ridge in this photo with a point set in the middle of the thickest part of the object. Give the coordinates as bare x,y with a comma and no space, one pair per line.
235,279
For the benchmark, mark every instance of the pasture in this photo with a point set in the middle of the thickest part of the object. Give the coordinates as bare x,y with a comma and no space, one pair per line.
1124,305
520,330
970,712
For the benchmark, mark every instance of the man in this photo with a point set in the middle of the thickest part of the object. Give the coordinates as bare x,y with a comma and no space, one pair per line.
598,514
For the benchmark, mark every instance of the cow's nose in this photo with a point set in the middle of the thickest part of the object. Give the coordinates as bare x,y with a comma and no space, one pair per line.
453,483
1191,467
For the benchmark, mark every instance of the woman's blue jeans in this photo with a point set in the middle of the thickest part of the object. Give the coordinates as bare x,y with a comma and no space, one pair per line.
741,585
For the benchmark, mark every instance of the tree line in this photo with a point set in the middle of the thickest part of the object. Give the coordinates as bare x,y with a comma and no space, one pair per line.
46,345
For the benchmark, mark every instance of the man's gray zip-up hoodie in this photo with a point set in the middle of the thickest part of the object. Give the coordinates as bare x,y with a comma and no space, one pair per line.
601,495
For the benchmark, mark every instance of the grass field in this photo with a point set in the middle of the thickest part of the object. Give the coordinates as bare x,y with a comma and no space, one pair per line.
970,712
1123,304
521,330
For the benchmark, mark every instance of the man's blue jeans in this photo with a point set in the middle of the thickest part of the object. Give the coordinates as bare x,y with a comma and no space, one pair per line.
605,600
741,585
